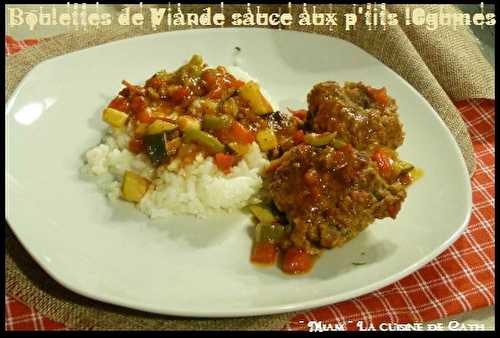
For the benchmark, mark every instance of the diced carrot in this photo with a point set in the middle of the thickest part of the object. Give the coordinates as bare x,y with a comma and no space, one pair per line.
300,114
264,253
241,134
298,137
136,145
378,95
296,261
224,162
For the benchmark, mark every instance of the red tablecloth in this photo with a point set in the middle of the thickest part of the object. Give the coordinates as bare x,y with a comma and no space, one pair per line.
459,280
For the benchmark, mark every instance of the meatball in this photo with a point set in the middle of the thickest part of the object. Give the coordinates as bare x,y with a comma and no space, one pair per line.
330,195
360,115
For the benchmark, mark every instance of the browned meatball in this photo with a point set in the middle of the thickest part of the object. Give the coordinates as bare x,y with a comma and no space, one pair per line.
361,115
330,195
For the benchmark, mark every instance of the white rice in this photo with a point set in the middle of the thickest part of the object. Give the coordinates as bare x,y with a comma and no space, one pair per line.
106,163
202,189
198,189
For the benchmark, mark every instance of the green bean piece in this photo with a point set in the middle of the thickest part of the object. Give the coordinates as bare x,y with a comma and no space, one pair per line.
202,138
215,122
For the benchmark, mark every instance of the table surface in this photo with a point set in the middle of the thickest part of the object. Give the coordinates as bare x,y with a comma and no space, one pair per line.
484,316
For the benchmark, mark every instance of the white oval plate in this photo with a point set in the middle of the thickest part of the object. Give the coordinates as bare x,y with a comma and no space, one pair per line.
188,267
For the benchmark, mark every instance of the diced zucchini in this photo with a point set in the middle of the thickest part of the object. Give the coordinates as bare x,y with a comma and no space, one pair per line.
266,139
187,122
134,186
159,126
210,142
210,107
238,148
190,71
402,167
215,122
318,140
251,93
114,117
263,214
155,148
269,233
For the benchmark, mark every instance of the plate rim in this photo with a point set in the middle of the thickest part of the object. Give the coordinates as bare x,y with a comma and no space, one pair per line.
255,310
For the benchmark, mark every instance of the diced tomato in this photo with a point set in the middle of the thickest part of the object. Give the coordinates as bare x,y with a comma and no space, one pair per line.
384,162
224,135
339,157
346,148
145,117
237,83
221,69
393,210
224,162
210,78
378,95
264,253
298,137
216,93
241,134
163,111
300,114
296,261
180,94
119,103
137,104
136,145
154,82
